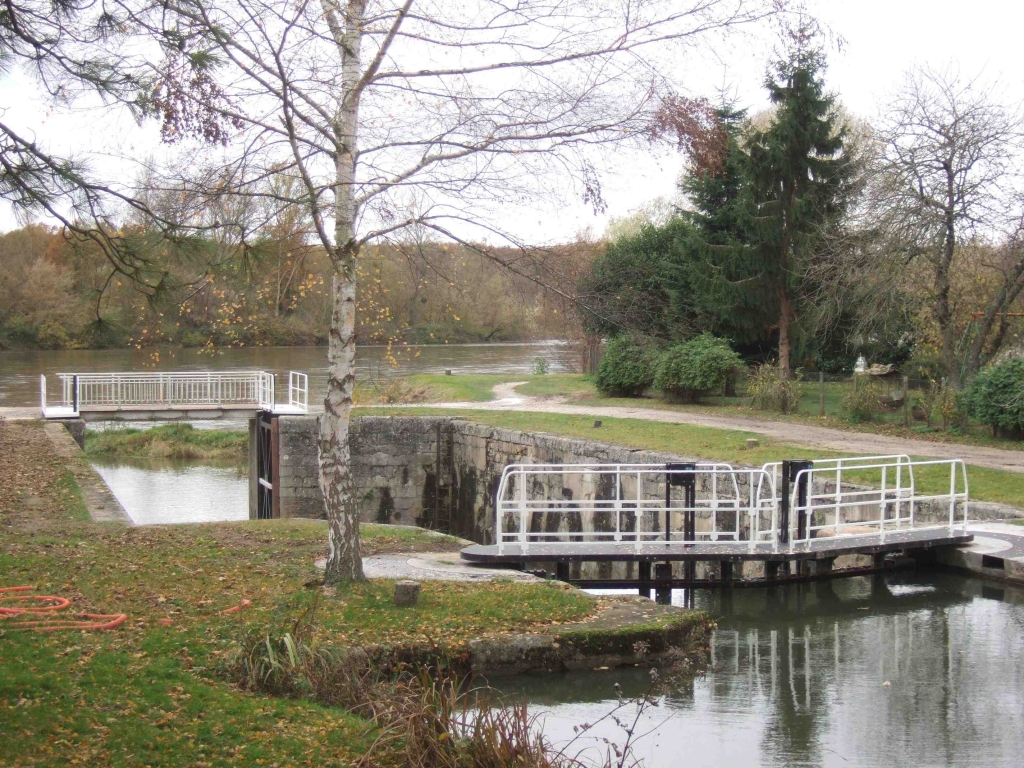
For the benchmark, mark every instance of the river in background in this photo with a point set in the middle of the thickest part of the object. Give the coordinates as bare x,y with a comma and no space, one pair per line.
871,672
20,370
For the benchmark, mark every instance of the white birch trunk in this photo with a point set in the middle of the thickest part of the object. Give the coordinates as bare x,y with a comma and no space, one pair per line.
344,562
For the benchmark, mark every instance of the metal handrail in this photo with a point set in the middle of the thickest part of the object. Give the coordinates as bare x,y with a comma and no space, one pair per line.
897,499
739,527
172,389
298,390
522,493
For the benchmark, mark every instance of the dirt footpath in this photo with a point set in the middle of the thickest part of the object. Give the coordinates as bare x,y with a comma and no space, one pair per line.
793,433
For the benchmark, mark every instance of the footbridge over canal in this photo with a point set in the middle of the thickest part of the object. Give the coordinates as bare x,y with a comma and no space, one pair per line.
789,520
171,395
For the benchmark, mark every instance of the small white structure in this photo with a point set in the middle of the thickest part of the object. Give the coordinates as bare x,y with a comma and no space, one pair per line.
176,394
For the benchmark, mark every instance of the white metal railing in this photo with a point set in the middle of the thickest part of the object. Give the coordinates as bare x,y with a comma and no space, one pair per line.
178,389
890,502
734,508
728,506
298,390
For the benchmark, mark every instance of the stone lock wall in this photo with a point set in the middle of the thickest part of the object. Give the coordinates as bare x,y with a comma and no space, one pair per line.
443,473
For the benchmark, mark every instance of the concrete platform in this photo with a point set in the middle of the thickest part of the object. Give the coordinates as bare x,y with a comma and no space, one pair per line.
997,552
676,551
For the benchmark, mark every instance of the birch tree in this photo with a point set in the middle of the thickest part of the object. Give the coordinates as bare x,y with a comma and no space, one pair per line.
469,106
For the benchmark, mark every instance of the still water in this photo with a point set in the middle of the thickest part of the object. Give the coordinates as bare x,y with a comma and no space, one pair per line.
160,491
909,670
19,370
154,492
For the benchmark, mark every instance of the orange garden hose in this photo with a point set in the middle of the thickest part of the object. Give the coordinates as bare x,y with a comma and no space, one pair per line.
44,604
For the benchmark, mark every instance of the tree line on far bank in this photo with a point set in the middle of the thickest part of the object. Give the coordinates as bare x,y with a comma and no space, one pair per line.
818,239
56,293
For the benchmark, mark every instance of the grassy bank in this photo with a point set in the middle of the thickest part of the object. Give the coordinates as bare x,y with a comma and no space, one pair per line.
580,390
156,691
716,444
168,441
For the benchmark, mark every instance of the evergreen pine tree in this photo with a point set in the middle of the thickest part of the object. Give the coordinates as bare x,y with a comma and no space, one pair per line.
707,273
799,183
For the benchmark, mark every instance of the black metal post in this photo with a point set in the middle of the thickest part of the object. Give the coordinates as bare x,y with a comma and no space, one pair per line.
562,570
644,568
74,393
796,467
791,468
784,504
681,475
663,583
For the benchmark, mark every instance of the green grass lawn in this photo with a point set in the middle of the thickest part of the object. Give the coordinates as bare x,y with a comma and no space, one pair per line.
720,445
479,388
168,441
155,691
462,388
580,389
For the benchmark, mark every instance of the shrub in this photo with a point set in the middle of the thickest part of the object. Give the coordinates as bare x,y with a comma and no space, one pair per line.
770,392
940,402
996,398
53,336
697,366
862,402
626,369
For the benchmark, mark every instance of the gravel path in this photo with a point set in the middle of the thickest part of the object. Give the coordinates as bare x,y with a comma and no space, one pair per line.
793,433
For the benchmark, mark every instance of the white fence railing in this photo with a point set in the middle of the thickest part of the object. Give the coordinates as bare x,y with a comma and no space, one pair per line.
733,508
178,389
632,503
885,499
298,390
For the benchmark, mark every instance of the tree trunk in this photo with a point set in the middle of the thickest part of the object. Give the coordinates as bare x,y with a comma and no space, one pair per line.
943,310
785,350
344,562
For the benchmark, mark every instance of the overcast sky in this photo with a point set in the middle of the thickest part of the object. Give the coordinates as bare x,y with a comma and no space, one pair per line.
881,40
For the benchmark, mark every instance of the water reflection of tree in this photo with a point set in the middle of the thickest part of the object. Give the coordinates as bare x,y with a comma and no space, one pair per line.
798,675
917,679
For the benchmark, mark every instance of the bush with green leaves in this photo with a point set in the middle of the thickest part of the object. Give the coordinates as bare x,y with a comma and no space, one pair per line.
996,397
626,368
698,366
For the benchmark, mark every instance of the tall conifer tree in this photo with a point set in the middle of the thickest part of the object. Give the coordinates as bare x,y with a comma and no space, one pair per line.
799,178
708,273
